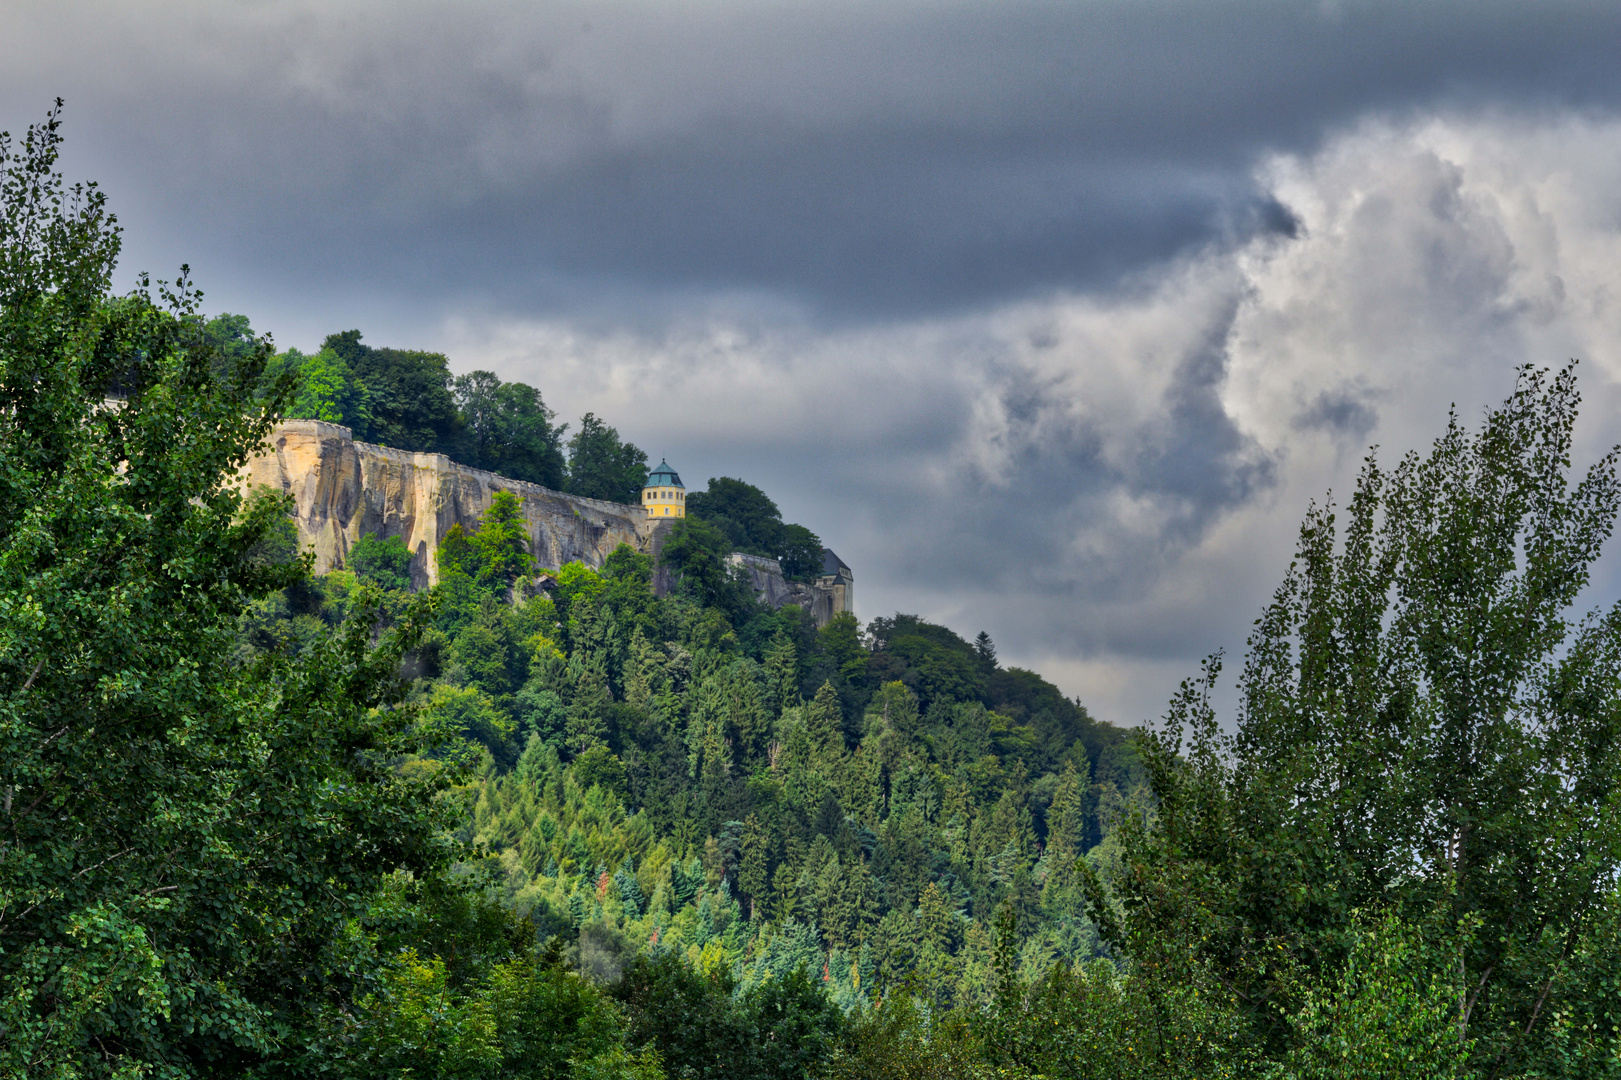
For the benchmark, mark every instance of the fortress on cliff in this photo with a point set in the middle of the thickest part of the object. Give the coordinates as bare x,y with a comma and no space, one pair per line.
343,489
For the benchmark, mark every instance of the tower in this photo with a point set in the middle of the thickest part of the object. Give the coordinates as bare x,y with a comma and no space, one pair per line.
664,497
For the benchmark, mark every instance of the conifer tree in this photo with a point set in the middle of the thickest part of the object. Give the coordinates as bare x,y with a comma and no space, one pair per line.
783,891
1064,825
587,714
937,936
715,778
645,670
753,874
826,725
746,714
782,670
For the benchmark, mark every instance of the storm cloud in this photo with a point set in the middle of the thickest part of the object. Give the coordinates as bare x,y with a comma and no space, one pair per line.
1049,318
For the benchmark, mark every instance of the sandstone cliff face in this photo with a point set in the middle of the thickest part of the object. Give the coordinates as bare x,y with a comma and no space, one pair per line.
344,489
775,590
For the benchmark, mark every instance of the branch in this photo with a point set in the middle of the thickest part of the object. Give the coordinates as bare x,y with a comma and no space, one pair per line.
1542,998
1470,1001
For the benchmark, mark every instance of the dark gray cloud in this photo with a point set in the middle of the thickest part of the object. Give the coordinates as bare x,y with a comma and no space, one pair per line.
1048,316
863,160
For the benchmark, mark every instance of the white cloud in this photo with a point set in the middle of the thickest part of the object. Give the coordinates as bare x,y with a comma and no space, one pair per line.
1110,483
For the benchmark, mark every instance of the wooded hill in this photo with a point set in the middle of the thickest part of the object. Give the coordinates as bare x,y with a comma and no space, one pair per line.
263,825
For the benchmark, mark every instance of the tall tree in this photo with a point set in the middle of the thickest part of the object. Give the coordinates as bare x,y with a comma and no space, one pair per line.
327,390
501,544
602,467
782,670
409,399
750,520
753,874
183,839
1426,728
507,429
800,553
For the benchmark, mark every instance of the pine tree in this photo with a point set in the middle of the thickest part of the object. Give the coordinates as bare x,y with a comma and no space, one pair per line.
746,714
1065,820
985,650
588,632
825,721
587,716
784,892
937,931
715,776
782,670
646,670
860,901
754,872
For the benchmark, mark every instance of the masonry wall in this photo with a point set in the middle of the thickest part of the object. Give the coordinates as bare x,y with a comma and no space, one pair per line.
343,489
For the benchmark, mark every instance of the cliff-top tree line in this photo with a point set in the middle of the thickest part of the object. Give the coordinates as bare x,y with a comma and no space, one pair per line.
256,823
410,400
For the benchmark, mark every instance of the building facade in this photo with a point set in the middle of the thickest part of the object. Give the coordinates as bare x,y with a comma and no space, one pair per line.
664,496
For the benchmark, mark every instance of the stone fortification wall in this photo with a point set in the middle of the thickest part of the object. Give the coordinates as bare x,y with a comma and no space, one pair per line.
344,489
766,577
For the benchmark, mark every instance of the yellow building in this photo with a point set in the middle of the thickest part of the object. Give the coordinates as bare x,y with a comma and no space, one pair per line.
664,497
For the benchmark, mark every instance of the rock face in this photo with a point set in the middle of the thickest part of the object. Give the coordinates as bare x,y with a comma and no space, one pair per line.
344,489
766,577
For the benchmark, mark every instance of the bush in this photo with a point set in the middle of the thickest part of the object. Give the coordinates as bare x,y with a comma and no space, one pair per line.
387,562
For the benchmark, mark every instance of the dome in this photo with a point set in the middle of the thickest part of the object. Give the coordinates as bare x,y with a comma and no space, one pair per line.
664,476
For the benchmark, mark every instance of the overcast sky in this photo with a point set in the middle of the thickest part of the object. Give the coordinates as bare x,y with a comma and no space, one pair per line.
1049,318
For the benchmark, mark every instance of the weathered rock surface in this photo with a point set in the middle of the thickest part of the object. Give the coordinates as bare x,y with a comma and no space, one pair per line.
768,581
344,489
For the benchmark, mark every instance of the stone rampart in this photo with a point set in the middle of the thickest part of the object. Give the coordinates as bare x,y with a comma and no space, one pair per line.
343,489
765,574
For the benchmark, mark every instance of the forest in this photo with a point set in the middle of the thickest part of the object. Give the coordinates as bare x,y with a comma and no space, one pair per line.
255,822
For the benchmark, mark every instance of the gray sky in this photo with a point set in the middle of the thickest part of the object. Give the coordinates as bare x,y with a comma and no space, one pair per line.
1049,318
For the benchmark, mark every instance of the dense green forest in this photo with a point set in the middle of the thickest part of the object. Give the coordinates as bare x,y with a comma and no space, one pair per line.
259,823
705,775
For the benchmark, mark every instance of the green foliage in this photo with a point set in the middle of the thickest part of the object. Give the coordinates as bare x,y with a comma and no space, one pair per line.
800,553
327,389
242,811
507,429
1391,1011
185,837
780,1029
751,522
386,561
575,580
500,548
471,714
1426,733
523,1018
602,467
598,765
409,401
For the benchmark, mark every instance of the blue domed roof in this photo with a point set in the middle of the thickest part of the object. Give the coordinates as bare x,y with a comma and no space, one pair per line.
664,476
